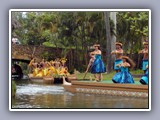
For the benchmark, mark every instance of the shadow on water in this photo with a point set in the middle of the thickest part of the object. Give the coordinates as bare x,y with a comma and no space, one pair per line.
30,95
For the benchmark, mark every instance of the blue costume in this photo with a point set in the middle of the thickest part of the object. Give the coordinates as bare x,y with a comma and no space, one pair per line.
98,65
144,79
144,64
123,77
116,62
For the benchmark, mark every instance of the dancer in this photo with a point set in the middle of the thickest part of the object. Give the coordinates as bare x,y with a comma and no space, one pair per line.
144,79
145,56
124,76
42,63
118,53
92,58
32,65
98,66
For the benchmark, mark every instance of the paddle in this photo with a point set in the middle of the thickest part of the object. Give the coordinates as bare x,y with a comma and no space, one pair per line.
85,74
88,67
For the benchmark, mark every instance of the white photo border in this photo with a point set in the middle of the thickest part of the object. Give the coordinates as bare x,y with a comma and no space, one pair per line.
85,10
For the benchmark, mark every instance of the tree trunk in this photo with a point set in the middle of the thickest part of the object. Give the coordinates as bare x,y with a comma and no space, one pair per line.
108,42
113,37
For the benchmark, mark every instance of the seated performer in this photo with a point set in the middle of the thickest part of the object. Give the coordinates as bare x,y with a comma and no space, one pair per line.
42,63
63,61
124,76
144,79
118,53
32,65
63,70
98,66
145,56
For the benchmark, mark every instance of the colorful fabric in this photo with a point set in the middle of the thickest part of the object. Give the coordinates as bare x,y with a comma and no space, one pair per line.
144,79
98,65
144,64
123,77
116,62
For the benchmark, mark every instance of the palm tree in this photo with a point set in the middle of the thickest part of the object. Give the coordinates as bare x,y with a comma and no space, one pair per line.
108,41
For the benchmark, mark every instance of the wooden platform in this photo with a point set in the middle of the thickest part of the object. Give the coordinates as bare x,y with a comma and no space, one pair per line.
130,90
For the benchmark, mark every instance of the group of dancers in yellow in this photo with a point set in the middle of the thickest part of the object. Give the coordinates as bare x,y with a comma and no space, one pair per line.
48,68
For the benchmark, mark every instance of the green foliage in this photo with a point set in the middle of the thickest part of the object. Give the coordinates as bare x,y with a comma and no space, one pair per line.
132,29
79,31
13,88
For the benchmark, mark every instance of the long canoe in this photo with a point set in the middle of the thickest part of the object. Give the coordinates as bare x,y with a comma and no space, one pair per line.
129,90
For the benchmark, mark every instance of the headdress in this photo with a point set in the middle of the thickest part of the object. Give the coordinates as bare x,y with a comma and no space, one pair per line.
96,45
145,43
118,43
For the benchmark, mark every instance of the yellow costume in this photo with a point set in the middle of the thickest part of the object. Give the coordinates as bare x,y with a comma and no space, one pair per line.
63,71
30,64
35,71
40,73
49,69
45,71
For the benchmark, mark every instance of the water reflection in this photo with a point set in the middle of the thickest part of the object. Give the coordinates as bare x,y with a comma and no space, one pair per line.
54,96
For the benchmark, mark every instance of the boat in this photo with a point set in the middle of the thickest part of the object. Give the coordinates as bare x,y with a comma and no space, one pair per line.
88,87
71,78
65,82
51,80
48,80
35,79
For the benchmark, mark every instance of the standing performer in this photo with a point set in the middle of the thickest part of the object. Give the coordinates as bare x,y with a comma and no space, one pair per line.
98,66
145,56
124,76
144,79
118,53
92,58
90,61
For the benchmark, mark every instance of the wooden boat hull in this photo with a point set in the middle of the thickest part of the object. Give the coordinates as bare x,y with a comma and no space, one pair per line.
50,80
128,90
71,78
47,80
36,79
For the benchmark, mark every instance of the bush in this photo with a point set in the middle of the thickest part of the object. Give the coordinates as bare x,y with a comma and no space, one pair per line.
13,88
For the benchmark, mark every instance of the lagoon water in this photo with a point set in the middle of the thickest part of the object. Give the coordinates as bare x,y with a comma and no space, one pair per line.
30,95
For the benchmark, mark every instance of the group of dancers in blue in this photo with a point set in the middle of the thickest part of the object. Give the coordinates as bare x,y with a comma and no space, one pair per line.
122,65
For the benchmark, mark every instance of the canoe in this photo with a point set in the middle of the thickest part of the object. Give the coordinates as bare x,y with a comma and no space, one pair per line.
71,78
65,82
35,79
51,80
48,80
128,90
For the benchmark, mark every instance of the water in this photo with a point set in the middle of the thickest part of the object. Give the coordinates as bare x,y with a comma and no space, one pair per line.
54,96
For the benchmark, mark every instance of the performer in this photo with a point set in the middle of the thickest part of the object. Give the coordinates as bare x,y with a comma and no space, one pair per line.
145,56
32,65
42,63
124,76
118,53
98,66
90,61
144,79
